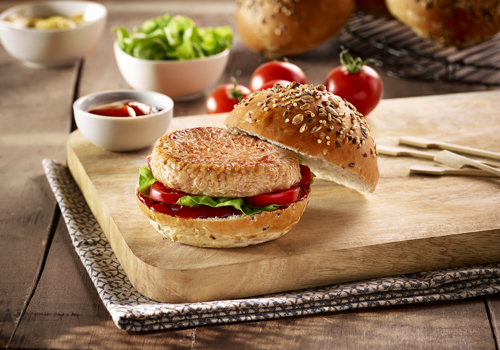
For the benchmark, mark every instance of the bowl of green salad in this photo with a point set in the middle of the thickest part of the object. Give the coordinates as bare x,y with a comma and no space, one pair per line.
172,56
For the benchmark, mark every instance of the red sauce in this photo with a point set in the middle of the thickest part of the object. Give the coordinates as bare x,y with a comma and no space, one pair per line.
123,108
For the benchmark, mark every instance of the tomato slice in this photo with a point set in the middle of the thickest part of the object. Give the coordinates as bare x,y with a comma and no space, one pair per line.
306,176
281,198
149,162
201,212
161,193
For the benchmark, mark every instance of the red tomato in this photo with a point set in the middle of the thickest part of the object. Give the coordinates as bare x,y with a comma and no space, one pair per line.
160,193
271,83
224,97
306,176
201,212
357,83
281,198
276,71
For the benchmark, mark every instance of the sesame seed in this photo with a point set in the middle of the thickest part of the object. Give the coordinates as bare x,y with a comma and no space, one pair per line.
315,128
351,165
337,143
299,118
319,141
328,143
324,153
303,128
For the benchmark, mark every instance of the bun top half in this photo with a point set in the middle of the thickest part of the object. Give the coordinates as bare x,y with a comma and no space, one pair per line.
327,132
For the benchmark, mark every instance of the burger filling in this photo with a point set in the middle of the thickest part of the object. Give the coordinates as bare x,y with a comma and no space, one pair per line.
165,200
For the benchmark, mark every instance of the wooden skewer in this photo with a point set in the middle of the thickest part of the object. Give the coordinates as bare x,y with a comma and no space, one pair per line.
441,171
423,143
457,161
396,151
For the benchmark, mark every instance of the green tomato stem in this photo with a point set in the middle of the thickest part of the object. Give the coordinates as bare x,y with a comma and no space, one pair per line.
235,94
352,65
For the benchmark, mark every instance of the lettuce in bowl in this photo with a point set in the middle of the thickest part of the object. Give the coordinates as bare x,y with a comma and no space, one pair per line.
173,38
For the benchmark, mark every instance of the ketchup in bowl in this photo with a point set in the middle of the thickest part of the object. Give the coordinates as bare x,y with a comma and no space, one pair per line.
123,108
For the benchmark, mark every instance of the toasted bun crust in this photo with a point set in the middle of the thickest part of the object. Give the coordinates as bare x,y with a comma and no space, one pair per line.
214,162
233,232
328,134
278,28
449,22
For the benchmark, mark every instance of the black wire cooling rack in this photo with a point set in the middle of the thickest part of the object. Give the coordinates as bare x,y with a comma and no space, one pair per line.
401,53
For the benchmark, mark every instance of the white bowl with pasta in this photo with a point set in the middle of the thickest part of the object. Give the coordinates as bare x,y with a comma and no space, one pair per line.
49,46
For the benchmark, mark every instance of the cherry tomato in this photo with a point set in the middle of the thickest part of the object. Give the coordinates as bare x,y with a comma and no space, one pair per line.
284,197
306,176
160,193
357,83
275,71
224,97
271,83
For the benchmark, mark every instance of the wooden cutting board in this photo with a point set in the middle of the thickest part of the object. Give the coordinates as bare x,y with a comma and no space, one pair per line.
411,223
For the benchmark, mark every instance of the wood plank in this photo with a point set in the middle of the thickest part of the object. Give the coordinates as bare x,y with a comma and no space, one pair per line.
493,305
439,325
35,109
429,221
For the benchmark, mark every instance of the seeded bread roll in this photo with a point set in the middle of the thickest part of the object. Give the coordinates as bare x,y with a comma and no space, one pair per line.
449,22
278,28
327,133
232,232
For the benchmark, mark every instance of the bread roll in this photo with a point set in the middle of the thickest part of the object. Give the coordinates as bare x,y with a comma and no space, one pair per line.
449,22
327,132
279,28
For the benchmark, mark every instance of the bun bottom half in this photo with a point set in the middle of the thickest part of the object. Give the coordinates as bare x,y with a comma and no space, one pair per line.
232,232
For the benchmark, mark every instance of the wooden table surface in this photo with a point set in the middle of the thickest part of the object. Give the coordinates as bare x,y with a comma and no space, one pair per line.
47,300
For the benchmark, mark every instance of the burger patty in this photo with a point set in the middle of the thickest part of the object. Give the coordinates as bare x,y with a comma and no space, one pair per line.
214,162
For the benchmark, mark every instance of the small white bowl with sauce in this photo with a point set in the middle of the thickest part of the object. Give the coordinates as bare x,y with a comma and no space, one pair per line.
52,48
123,134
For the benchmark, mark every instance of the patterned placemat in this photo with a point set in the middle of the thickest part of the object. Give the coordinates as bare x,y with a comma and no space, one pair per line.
133,312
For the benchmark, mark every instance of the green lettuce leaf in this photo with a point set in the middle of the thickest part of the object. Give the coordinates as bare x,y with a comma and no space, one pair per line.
214,202
146,179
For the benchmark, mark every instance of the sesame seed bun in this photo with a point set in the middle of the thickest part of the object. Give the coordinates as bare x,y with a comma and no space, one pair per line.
327,132
233,232
449,22
278,28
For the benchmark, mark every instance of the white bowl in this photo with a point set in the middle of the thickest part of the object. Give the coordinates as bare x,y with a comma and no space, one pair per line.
52,48
122,134
181,80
